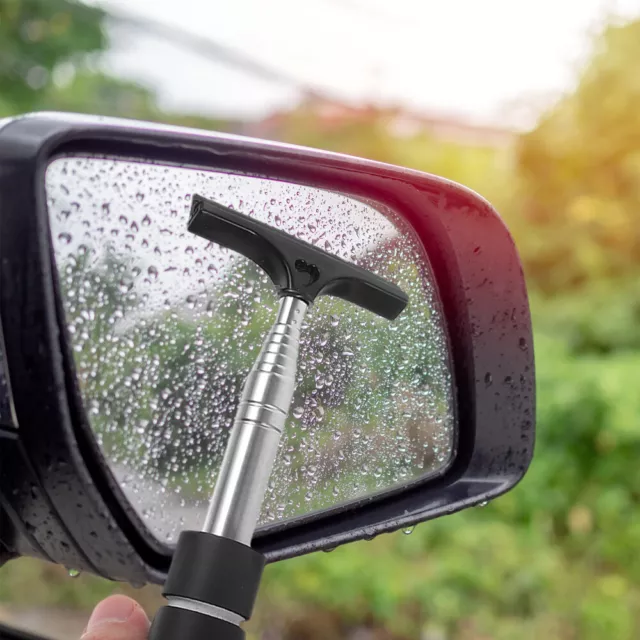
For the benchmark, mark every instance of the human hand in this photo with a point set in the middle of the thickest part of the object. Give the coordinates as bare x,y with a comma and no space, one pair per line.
117,618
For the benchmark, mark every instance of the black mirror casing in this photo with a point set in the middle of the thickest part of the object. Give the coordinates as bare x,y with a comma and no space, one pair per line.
59,498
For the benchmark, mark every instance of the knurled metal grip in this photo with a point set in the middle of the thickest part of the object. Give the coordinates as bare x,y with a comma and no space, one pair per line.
171,623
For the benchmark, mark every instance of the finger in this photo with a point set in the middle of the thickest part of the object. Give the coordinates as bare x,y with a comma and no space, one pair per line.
117,618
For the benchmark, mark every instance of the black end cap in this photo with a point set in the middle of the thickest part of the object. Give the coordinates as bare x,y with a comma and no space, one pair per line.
215,570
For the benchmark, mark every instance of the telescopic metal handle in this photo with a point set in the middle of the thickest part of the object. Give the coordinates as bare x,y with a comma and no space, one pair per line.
215,574
253,444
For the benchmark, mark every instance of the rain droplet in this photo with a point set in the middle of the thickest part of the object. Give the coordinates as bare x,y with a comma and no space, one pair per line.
64,237
409,530
74,573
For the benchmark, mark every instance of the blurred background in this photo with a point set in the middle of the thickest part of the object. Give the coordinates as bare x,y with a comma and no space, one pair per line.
535,106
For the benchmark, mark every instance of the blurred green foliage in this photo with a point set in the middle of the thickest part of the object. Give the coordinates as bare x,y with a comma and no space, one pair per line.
37,37
579,171
558,556
50,60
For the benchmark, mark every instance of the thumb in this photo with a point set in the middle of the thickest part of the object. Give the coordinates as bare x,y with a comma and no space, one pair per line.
117,618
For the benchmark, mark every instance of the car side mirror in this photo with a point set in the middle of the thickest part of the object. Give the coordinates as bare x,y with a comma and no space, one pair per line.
142,267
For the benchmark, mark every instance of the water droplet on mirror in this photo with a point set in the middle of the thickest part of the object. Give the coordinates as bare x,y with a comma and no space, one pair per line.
409,530
298,412
74,573
65,238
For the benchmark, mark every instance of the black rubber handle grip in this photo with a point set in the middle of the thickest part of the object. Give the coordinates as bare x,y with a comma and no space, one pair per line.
206,571
172,623
297,268
215,570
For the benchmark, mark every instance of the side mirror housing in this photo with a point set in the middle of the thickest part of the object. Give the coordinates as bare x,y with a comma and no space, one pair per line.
62,499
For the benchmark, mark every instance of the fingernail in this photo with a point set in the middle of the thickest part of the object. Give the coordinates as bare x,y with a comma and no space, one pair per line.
113,609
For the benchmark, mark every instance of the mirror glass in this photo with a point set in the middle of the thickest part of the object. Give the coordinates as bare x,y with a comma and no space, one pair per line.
165,326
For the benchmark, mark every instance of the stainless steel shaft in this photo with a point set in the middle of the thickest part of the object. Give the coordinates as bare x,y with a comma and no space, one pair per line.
253,444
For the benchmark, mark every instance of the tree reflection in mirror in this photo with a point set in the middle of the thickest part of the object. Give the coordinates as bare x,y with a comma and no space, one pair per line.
165,326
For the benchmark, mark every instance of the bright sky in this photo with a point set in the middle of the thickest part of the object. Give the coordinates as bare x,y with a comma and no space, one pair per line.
477,58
